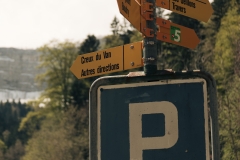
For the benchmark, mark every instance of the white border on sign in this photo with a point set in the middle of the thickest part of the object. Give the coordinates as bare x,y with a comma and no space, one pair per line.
160,82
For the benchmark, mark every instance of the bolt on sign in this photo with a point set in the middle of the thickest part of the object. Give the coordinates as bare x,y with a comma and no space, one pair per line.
108,61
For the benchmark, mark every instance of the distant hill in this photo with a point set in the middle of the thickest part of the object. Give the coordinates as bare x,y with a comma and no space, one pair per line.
18,69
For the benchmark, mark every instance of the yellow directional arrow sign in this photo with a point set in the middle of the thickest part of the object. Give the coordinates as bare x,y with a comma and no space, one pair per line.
108,61
131,10
176,34
168,32
197,9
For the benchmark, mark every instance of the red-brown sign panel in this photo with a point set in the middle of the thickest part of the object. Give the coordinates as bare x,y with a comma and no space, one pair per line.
176,34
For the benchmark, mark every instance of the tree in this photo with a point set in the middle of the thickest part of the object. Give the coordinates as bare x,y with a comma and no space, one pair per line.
3,148
80,88
226,48
126,32
11,147
209,33
220,8
136,36
90,44
1,155
122,34
56,59
62,136
32,122
15,152
229,118
225,70
112,41
115,26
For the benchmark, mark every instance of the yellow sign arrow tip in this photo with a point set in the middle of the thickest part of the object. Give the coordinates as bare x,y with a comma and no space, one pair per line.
75,68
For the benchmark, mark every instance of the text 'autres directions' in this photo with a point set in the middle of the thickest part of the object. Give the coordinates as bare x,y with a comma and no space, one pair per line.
108,61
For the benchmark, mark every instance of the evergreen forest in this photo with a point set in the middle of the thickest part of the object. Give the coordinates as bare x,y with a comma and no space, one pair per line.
55,127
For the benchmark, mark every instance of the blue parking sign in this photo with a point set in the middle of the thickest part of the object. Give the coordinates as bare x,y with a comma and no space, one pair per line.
159,120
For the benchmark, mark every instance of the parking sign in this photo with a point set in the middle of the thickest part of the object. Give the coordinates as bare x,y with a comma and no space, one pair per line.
159,120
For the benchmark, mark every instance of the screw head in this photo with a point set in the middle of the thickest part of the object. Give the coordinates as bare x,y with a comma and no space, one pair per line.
132,63
132,46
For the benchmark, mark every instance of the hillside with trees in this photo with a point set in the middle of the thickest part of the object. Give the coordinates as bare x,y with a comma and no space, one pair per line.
18,69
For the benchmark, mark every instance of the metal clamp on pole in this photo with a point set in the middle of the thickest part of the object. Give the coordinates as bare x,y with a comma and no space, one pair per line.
147,10
149,29
147,32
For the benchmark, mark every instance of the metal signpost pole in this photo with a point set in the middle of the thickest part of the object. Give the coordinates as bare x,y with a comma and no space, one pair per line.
150,43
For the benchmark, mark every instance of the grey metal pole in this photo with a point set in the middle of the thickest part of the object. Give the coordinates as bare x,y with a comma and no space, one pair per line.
150,45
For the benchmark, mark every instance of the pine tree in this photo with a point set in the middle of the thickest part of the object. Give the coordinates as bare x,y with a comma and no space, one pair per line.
225,71
115,26
56,59
90,44
209,32
80,88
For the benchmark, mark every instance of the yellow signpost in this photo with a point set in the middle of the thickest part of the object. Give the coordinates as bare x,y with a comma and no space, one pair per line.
108,61
168,32
176,34
130,9
140,13
197,9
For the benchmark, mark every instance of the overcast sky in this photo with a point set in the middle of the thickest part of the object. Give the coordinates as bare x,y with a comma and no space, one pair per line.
29,24
32,23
